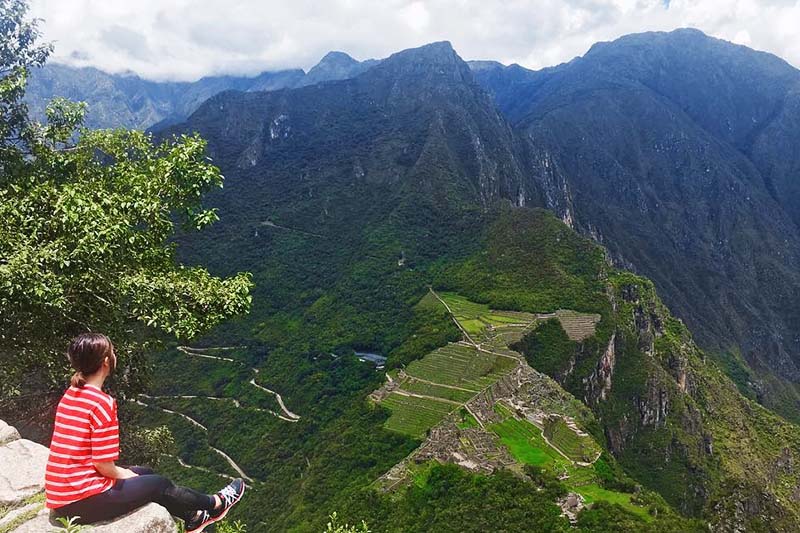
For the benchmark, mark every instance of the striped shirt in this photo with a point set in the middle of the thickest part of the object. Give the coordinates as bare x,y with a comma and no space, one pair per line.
86,432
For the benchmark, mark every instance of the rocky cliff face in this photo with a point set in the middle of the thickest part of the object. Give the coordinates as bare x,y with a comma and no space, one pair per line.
22,499
678,152
675,422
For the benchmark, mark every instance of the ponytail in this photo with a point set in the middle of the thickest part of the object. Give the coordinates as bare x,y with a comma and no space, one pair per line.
78,380
86,354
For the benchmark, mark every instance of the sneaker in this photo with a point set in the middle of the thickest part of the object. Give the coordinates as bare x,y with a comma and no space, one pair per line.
198,522
230,495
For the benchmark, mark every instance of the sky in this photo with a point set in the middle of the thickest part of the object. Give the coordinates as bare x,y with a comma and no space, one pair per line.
188,39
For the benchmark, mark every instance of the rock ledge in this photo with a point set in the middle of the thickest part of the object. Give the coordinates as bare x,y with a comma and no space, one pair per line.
22,500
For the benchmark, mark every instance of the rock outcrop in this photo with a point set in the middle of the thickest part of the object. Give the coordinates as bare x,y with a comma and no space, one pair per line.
22,465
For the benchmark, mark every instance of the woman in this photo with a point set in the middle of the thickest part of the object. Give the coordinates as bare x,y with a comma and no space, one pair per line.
82,479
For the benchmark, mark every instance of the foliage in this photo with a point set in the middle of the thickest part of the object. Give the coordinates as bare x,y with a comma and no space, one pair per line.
227,526
452,500
18,54
548,348
69,525
605,517
85,246
335,527
146,445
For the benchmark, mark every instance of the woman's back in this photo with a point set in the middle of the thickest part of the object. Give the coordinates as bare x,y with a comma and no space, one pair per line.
86,432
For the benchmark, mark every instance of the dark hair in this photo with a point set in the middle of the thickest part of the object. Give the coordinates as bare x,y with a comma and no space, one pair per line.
86,353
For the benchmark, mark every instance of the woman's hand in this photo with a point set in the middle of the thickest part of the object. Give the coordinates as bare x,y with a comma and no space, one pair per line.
111,470
126,473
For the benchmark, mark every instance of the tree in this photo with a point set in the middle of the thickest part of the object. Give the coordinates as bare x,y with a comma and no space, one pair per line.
18,53
86,226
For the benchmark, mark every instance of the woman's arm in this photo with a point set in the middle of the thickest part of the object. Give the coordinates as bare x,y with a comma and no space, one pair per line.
110,469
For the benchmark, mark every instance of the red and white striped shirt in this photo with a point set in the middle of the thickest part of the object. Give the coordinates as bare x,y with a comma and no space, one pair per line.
86,432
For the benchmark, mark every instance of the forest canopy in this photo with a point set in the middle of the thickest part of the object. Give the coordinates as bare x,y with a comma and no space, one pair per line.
86,238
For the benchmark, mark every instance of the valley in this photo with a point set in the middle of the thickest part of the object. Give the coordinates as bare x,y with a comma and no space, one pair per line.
457,277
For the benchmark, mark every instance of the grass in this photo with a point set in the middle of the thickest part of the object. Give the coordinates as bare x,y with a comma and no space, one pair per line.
500,318
414,416
525,442
461,366
593,492
467,420
574,446
429,389
473,326
17,521
461,307
476,318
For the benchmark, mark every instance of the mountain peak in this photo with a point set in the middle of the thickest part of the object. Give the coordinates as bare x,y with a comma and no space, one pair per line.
437,52
432,61
334,58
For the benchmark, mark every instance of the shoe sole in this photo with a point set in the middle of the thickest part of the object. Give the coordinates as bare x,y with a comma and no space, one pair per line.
228,508
210,521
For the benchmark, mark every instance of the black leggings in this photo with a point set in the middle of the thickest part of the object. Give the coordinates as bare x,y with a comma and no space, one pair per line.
129,494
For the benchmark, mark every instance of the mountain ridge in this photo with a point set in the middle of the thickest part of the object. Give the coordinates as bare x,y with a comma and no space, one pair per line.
126,100
349,200
648,110
328,159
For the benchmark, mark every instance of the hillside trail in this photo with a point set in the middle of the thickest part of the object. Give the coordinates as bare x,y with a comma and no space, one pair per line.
292,416
287,416
191,420
271,224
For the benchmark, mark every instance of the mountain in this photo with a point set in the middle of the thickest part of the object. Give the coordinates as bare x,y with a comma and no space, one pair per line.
678,154
335,66
348,200
126,100
449,218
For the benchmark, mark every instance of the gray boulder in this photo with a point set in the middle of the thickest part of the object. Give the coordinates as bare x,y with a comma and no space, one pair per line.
22,474
151,518
22,466
7,433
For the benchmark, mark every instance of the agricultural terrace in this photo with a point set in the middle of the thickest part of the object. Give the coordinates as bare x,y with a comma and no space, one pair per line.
572,442
528,445
429,389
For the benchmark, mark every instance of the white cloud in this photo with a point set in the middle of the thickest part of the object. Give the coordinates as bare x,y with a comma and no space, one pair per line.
416,16
186,39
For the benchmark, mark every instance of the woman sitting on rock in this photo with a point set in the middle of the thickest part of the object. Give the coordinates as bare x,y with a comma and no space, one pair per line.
82,479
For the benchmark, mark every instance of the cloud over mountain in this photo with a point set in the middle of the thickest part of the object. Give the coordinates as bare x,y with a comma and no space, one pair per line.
184,40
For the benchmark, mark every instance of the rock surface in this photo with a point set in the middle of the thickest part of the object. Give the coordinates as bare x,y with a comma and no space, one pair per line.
22,465
22,474
151,518
7,433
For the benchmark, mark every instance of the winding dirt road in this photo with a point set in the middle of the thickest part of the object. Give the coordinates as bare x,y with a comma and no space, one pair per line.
201,426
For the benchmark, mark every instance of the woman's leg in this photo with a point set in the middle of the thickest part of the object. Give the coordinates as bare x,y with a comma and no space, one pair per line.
184,502
125,496
129,494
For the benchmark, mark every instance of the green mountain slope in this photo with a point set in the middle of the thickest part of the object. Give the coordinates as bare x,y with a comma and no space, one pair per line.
347,201
679,154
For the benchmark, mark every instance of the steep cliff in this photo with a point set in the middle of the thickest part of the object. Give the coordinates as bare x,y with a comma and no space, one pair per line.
678,152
